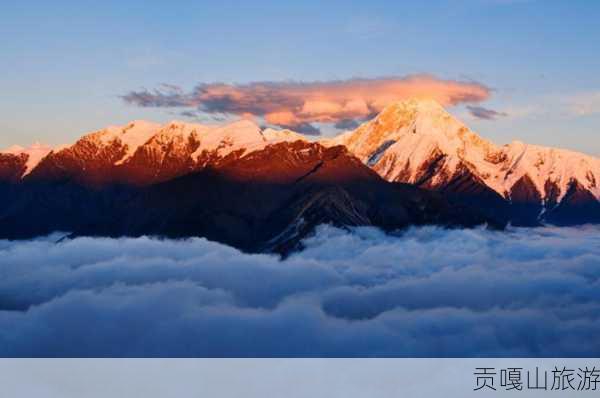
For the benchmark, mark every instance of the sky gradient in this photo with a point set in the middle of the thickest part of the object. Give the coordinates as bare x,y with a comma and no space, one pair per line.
65,65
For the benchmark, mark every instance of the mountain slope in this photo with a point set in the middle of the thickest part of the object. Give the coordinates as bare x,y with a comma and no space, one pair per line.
265,201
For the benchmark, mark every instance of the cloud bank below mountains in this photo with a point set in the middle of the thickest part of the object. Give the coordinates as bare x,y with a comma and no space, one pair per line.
298,105
427,292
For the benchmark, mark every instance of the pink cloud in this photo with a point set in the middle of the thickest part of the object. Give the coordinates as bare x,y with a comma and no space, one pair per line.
298,103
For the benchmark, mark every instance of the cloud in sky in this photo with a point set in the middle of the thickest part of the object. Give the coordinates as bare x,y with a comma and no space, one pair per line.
302,128
302,103
484,113
347,124
427,292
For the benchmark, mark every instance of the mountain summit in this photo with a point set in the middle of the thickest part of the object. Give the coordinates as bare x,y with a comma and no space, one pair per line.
16,161
418,142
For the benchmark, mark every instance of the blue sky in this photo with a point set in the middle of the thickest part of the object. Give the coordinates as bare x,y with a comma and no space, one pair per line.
65,64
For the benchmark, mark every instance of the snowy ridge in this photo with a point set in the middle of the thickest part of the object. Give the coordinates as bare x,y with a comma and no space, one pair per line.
35,153
220,141
132,136
173,137
144,152
241,135
410,140
543,164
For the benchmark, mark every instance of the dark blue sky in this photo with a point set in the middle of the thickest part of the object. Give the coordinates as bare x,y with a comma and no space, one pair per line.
64,64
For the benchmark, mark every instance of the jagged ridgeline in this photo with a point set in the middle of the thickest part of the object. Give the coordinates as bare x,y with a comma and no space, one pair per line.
264,189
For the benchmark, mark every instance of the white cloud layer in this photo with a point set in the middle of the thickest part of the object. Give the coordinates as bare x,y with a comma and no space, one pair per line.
428,292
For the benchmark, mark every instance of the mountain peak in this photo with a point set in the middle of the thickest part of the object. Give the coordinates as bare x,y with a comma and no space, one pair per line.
415,119
412,108
35,153
401,113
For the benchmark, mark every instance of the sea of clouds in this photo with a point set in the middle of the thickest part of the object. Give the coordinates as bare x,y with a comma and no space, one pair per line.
425,292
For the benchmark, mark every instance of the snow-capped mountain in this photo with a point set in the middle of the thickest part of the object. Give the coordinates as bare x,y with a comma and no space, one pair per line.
142,153
17,161
418,142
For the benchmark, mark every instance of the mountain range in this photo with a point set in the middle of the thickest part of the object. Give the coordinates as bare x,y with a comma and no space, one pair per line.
262,189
